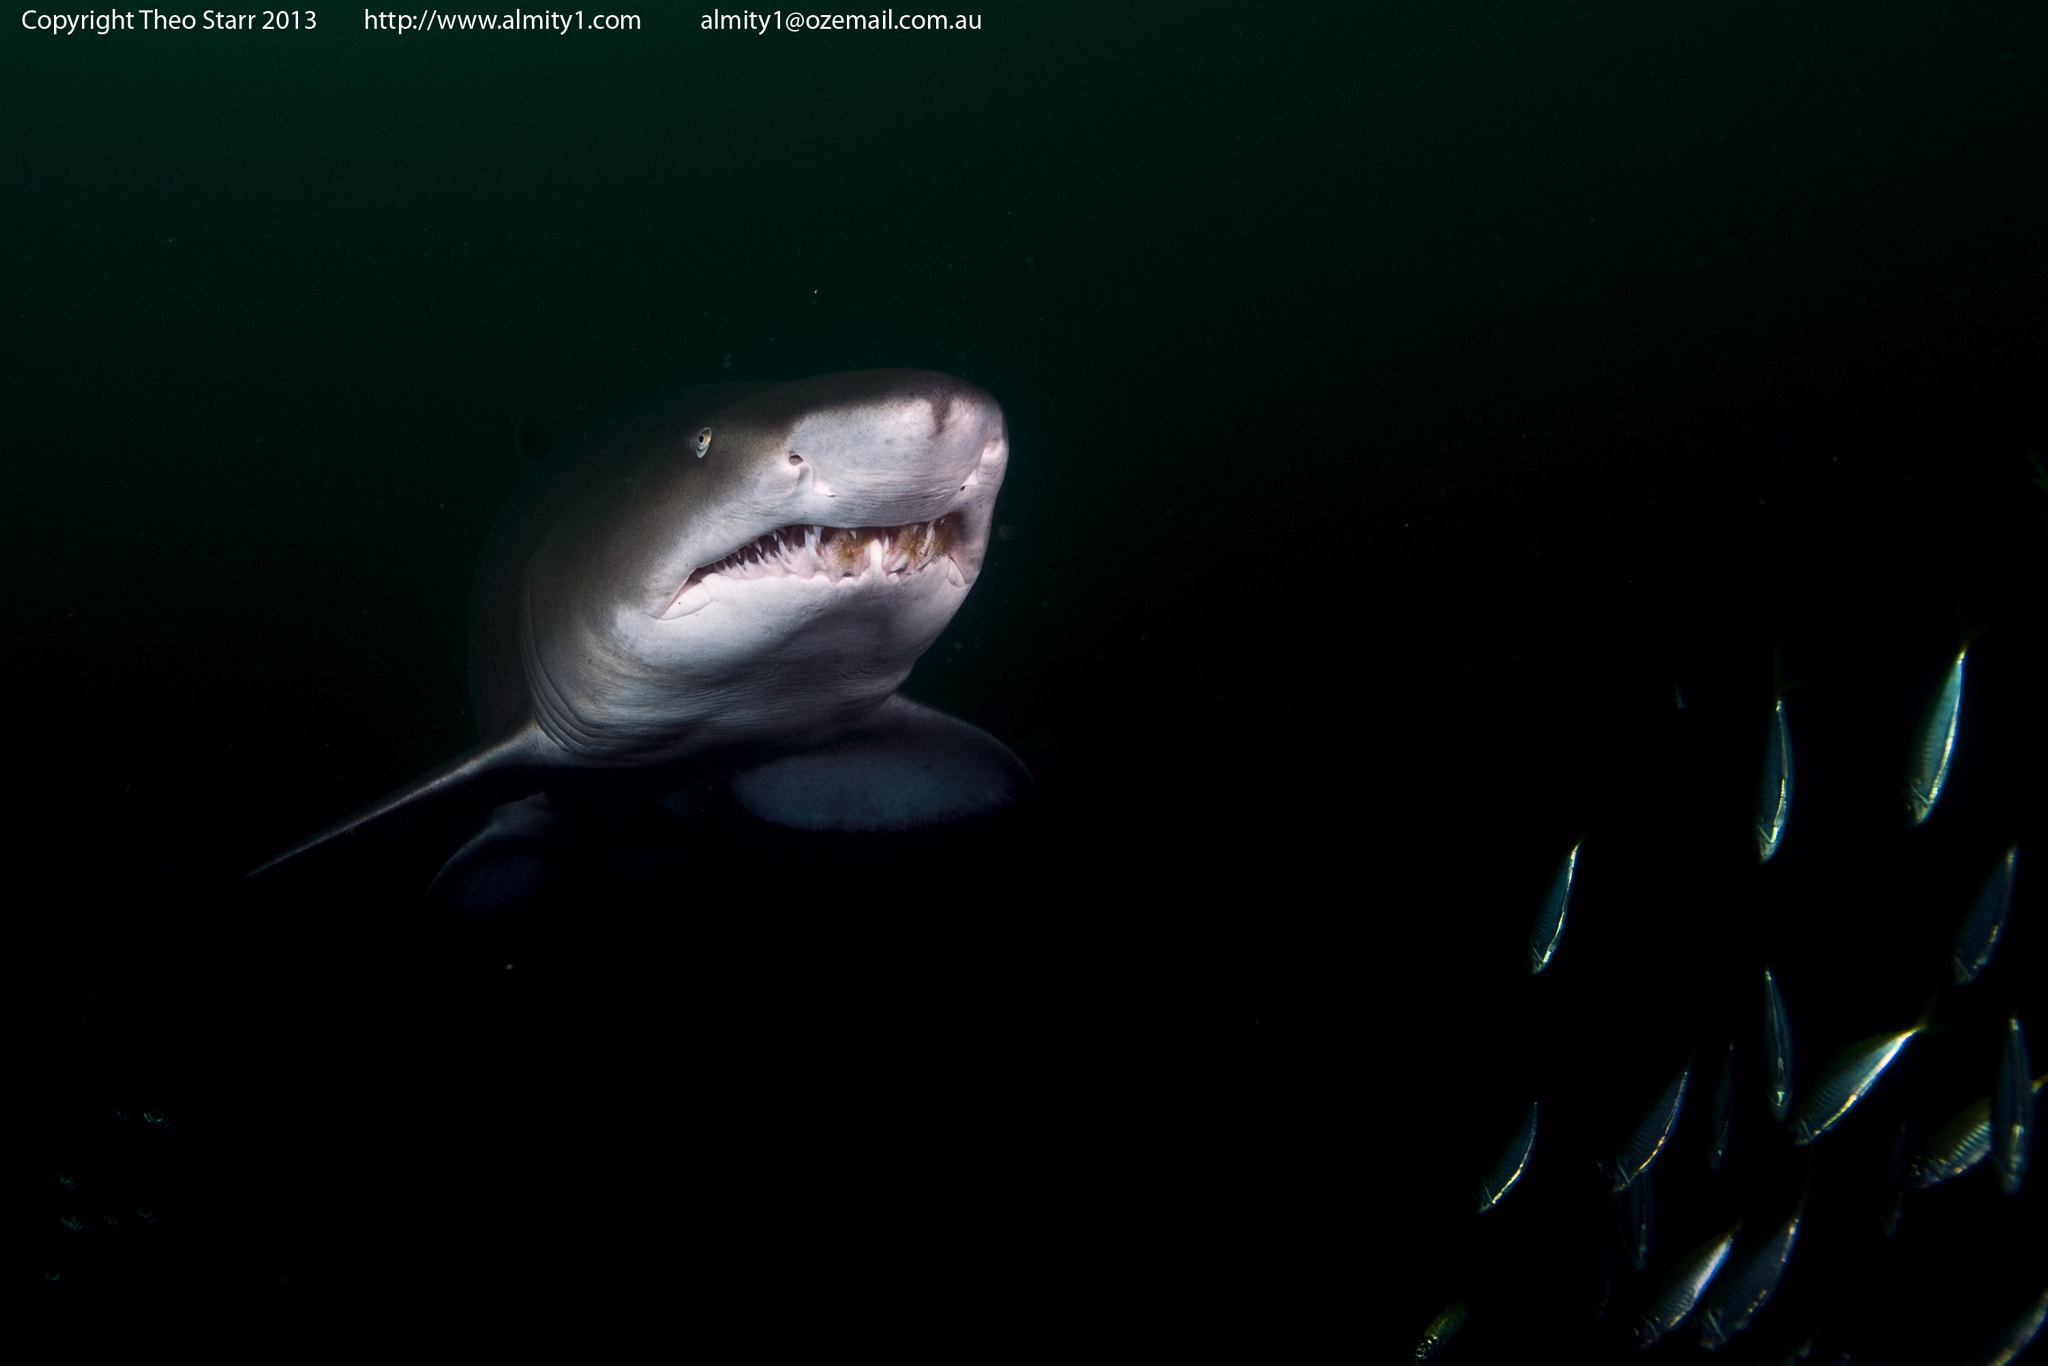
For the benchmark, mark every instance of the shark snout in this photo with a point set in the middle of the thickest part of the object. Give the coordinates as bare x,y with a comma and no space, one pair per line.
911,447
889,474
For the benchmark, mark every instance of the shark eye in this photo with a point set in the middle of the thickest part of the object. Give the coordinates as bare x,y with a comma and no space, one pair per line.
703,442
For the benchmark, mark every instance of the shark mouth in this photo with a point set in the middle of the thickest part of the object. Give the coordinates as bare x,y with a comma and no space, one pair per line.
833,554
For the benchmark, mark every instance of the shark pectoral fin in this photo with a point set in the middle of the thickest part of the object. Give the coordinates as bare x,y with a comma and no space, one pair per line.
907,766
501,864
491,773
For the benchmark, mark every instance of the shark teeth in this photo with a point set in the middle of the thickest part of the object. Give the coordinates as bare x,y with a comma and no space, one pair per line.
826,552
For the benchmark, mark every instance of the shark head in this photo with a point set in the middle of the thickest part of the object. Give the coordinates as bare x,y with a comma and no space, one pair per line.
765,571
741,578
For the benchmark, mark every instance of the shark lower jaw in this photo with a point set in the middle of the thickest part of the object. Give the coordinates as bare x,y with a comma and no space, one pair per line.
827,558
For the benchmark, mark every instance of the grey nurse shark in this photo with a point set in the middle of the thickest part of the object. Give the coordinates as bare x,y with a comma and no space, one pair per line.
734,579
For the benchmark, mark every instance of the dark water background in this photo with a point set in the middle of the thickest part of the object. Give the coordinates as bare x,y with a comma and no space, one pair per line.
1405,401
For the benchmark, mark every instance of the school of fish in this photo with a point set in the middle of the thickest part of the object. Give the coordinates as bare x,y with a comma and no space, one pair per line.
1718,1289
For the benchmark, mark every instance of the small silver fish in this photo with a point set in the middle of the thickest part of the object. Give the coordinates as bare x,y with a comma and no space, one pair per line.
1774,794
1935,745
1893,1207
1513,1162
1747,1283
2012,1111
2014,1337
1777,1049
1635,1217
1954,1148
1958,1145
1650,1135
1442,1328
1977,937
1723,1112
1847,1080
1603,1292
1550,921
1682,1291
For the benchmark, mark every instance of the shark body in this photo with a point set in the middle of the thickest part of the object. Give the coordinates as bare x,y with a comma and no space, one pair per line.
737,578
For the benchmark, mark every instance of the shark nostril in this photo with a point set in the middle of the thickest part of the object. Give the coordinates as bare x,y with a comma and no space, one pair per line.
795,459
